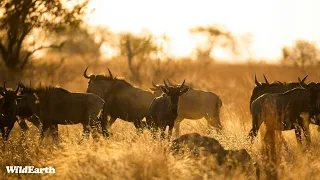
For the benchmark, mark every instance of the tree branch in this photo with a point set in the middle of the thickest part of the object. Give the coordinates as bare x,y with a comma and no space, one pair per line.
27,57
4,52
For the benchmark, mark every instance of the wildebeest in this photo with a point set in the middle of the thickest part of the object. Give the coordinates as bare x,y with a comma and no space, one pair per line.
6,122
289,110
275,87
122,100
7,97
196,104
208,147
164,109
55,106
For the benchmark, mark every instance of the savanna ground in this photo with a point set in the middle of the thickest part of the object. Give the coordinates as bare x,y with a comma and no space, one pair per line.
125,155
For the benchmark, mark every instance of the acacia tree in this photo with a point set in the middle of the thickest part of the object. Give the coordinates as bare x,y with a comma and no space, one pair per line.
84,42
21,18
216,36
138,49
303,52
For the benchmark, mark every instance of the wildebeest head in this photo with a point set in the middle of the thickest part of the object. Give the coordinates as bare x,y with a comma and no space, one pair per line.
275,87
156,88
174,92
8,96
99,84
8,109
314,89
157,91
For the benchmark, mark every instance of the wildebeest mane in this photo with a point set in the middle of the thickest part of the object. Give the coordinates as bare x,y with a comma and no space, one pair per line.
107,78
293,90
279,83
43,89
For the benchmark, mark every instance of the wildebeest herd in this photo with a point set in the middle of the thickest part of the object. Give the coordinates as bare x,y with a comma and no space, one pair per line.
281,106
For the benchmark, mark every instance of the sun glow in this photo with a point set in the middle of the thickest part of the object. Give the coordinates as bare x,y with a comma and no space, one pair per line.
273,23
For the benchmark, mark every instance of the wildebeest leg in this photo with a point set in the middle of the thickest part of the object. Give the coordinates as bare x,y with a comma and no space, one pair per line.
7,132
95,126
86,130
103,119
35,121
111,121
177,127
170,131
305,127
154,131
55,133
104,129
297,130
23,125
149,122
255,127
2,132
214,121
138,125
162,129
153,128
44,130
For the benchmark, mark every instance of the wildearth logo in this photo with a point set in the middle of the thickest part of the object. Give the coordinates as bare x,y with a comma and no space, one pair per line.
30,169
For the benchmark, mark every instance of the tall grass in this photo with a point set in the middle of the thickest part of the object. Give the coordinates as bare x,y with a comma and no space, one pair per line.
125,155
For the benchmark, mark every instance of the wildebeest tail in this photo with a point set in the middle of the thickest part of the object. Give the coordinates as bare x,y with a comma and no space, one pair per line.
103,118
219,103
217,112
218,107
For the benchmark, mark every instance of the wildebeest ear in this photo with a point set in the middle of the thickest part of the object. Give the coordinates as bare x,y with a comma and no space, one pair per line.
184,91
163,89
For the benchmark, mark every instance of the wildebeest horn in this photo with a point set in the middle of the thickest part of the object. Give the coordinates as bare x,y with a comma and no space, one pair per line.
21,85
302,84
265,79
85,74
166,85
16,91
169,82
304,78
4,86
153,82
181,86
110,74
256,81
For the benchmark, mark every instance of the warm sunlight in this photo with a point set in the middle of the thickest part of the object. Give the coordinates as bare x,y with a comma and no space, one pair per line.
273,23
159,89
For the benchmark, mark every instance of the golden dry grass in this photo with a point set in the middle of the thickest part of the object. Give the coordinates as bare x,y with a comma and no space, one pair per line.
126,155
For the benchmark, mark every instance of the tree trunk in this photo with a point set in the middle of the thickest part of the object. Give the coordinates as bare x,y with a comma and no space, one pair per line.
130,56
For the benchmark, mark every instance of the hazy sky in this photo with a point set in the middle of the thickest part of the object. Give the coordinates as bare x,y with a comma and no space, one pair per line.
274,23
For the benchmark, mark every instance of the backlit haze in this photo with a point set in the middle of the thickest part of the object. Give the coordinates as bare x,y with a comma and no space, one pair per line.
273,23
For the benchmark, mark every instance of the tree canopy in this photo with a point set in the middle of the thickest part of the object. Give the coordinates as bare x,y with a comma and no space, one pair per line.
217,36
21,18
302,53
